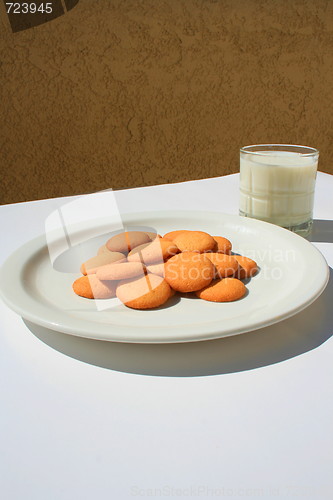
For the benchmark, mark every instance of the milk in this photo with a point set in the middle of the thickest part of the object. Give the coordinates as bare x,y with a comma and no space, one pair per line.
278,186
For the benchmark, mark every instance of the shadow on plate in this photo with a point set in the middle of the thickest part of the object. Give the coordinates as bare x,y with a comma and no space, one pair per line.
287,339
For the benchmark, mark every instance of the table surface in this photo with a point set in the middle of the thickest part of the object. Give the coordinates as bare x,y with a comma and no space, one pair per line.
249,416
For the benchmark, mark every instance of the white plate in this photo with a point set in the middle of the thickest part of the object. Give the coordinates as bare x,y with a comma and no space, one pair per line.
293,273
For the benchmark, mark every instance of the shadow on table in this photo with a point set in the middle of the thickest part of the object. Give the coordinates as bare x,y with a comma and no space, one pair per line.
287,339
322,231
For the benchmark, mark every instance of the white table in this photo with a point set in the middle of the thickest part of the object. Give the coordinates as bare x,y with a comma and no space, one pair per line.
249,416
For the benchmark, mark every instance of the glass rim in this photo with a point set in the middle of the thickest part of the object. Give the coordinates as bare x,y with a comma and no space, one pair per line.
288,148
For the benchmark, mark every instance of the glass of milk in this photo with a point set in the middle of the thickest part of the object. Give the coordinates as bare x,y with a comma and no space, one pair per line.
277,183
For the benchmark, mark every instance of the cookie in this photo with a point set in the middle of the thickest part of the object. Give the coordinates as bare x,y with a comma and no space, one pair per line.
103,249
155,252
225,265
222,245
91,287
194,241
125,242
156,269
247,267
189,271
225,290
144,293
91,265
172,234
152,236
120,271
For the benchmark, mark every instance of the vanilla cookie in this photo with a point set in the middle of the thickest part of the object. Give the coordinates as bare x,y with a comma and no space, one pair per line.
194,241
91,265
144,293
225,290
91,287
225,265
172,234
121,271
103,249
152,236
125,242
222,245
154,252
247,267
189,271
156,269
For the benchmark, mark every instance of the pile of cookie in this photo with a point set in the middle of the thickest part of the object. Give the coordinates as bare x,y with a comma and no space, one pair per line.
144,269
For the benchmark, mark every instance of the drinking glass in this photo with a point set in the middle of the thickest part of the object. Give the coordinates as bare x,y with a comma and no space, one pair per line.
277,183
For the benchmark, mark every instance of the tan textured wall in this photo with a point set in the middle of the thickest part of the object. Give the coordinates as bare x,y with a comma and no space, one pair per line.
129,93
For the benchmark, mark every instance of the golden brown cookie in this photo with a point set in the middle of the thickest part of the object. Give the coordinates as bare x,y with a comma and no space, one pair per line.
247,267
155,252
194,241
225,265
144,293
189,271
91,287
122,271
103,249
125,242
222,245
225,290
153,236
172,234
156,269
91,265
